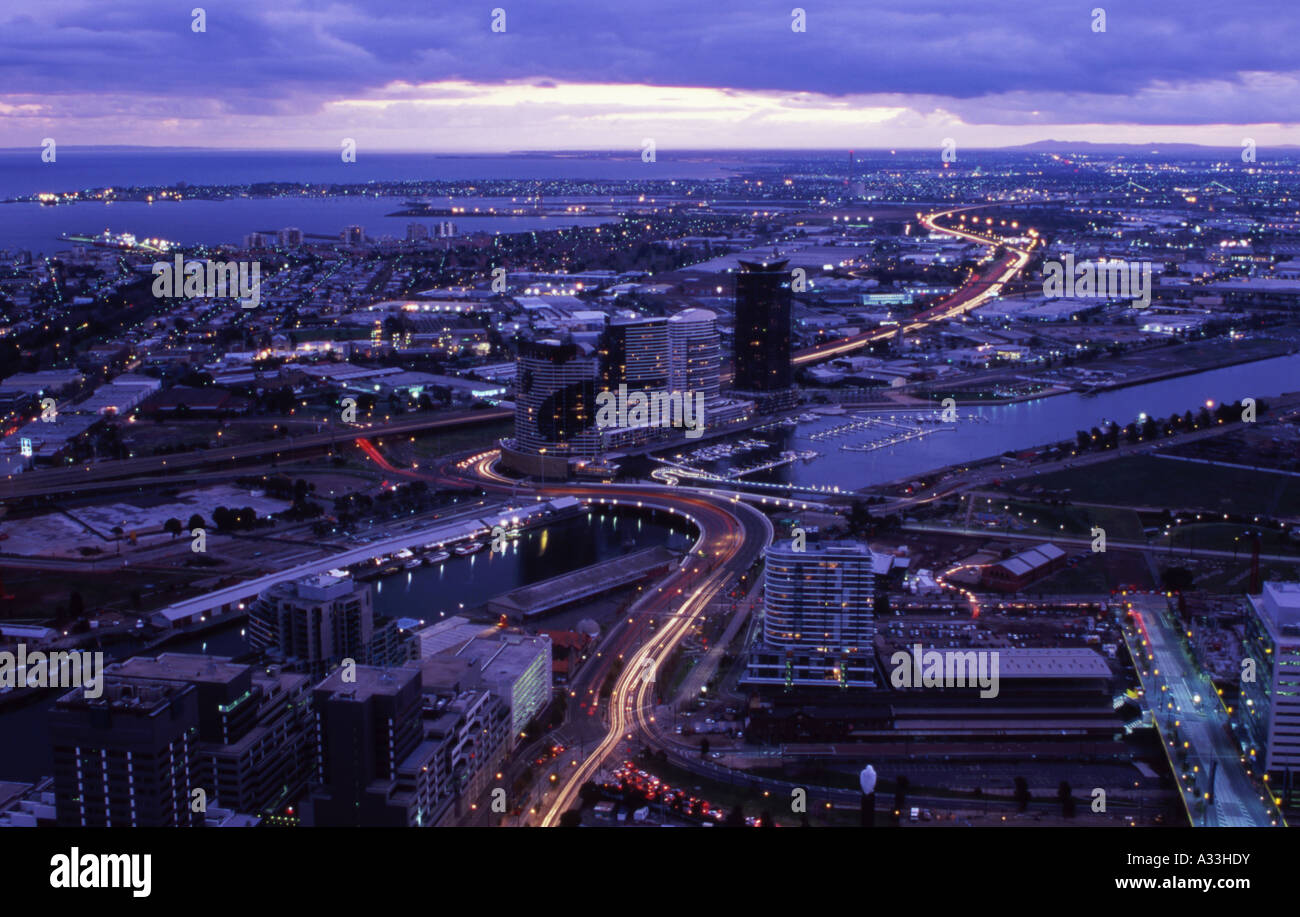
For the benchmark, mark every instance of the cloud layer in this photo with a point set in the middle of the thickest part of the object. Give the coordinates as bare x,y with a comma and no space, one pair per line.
582,74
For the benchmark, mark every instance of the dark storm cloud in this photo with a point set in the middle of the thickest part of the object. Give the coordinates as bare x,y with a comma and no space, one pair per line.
1015,60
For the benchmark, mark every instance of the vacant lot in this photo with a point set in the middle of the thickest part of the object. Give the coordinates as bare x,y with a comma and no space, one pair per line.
1148,480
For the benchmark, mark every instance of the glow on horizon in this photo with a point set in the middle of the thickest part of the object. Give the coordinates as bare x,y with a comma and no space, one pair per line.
466,116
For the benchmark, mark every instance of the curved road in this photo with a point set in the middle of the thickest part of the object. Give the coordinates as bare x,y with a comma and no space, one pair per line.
732,535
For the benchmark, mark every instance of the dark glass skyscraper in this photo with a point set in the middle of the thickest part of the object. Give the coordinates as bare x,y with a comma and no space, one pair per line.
763,327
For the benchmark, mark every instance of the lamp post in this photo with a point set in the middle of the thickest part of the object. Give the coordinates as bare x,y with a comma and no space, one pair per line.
867,781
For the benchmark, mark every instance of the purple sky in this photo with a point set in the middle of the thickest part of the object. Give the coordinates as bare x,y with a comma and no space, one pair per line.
605,74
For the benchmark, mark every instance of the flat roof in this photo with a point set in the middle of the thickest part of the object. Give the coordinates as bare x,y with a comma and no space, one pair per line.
450,633
1049,662
1030,662
504,654
370,681
185,666
1279,603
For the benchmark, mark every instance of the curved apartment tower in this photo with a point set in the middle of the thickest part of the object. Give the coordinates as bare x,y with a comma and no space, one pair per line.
696,353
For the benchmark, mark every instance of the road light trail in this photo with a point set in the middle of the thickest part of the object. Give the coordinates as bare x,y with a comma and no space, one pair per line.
971,296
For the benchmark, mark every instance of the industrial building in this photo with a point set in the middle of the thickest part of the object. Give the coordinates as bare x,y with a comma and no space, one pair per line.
1019,570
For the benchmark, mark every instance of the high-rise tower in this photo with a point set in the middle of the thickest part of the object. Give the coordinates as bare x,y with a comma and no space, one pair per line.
763,328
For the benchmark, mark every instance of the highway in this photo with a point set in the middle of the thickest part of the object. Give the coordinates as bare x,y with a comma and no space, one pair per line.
1217,788
732,536
971,296
56,480
732,533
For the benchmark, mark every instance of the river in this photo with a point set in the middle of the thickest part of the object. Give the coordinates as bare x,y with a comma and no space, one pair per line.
984,431
459,584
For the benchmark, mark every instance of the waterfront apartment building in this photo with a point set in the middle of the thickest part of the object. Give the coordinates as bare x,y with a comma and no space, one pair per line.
695,353
367,726
636,354
128,758
314,623
1269,705
555,409
517,668
471,729
555,400
256,731
514,667
394,751
819,616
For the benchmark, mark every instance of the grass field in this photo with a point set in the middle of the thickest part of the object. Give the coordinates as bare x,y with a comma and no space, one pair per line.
1097,573
1049,519
1146,480
437,443
1223,536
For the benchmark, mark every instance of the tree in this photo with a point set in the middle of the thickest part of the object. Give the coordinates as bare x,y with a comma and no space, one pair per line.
735,818
1067,800
1177,579
172,525
901,786
196,522
1022,794
571,819
858,518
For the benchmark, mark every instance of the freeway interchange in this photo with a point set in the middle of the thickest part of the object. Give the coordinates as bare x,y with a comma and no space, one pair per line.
731,533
